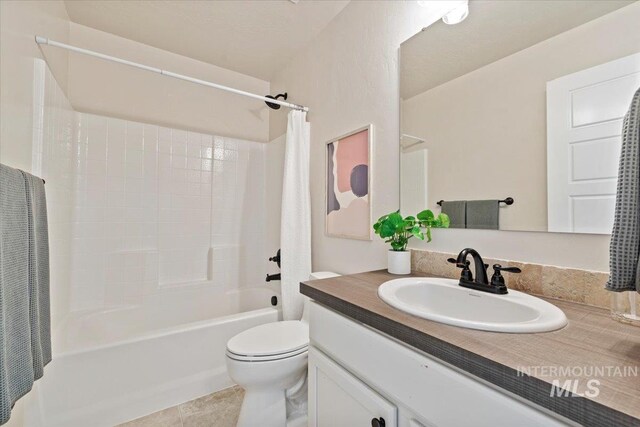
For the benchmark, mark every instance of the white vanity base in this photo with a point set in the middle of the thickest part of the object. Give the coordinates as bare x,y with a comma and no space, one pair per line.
357,374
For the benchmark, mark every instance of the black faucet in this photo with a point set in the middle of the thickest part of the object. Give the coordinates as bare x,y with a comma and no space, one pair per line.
275,259
271,277
481,282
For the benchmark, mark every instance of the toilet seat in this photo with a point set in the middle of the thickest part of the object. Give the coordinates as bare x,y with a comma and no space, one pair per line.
271,341
267,358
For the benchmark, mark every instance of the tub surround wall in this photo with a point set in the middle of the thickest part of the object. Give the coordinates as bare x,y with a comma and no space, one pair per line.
53,159
569,284
158,208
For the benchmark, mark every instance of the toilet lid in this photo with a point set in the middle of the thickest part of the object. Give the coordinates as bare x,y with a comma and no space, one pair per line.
271,339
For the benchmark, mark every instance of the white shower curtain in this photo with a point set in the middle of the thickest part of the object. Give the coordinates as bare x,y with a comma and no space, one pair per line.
295,230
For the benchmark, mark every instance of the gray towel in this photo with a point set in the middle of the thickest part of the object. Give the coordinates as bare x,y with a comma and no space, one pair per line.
483,214
624,250
457,211
39,307
25,338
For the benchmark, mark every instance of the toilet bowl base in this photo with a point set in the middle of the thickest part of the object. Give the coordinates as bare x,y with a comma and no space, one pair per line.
263,407
265,385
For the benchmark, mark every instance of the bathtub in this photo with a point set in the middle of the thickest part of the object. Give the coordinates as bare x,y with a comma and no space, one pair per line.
122,363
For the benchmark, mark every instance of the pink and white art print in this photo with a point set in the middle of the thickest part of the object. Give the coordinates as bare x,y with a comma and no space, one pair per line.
348,195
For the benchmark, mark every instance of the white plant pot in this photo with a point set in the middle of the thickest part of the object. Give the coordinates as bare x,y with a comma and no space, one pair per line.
399,262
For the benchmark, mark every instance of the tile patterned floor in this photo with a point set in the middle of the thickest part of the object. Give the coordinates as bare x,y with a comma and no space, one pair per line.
219,409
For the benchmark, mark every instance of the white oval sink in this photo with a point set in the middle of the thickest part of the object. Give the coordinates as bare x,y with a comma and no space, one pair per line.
444,301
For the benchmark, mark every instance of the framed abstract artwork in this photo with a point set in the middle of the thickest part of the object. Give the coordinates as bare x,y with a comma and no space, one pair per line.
348,185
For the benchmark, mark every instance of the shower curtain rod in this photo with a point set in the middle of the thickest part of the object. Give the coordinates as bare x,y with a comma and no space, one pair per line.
45,40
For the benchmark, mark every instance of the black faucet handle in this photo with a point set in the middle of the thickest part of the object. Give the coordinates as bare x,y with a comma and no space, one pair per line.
466,272
459,265
498,268
497,279
276,258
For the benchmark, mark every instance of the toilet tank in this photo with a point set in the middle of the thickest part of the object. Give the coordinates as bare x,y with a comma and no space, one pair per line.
322,275
315,276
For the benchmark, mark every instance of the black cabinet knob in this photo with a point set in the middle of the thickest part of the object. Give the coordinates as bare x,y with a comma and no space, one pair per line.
377,422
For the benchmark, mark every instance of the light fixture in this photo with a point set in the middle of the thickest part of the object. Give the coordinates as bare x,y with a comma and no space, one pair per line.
457,15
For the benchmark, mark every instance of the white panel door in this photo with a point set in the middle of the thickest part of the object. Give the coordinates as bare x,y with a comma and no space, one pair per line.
584,123
338,399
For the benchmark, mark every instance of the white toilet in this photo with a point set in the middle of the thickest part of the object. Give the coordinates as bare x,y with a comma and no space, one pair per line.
270,363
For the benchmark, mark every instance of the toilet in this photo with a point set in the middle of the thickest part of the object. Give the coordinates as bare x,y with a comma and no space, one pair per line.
270,363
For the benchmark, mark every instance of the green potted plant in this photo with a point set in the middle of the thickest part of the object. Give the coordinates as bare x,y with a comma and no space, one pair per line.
397,231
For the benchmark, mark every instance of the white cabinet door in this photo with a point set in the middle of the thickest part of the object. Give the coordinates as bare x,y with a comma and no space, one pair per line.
338,399
584,123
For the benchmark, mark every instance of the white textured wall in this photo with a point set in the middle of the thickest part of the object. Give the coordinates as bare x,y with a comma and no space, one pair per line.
19,22
349,77
115,90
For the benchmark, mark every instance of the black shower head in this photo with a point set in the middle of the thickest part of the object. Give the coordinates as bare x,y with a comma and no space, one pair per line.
275,106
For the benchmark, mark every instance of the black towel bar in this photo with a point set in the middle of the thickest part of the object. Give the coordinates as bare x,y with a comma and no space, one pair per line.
508,201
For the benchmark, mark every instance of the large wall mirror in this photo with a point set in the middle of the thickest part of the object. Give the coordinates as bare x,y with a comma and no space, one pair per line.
512,118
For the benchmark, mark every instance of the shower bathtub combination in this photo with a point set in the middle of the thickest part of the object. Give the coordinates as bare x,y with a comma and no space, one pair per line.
124,363
158,258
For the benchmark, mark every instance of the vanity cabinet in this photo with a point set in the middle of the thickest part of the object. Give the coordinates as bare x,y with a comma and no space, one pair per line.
357,374
339,397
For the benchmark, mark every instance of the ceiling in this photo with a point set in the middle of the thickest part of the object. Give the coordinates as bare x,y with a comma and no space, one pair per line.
253,37
494,29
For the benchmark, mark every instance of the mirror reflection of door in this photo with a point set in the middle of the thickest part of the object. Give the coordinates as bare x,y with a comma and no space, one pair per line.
584,123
